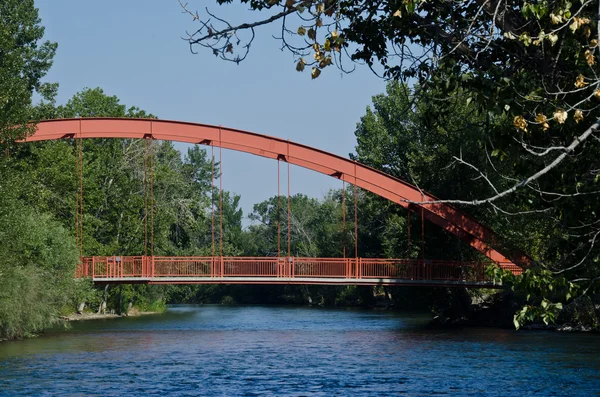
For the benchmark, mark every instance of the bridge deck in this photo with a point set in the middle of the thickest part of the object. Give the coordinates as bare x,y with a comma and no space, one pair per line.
283,270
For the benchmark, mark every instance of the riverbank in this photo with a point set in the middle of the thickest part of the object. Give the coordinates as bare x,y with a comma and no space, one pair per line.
99,316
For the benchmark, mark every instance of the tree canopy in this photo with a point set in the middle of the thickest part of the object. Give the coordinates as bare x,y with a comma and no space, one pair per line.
522,76
24,61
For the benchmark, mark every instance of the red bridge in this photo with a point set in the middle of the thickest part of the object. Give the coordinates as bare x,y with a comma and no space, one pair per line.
285,270
281,269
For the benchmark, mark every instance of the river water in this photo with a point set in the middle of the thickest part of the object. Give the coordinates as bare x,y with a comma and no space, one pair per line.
296,351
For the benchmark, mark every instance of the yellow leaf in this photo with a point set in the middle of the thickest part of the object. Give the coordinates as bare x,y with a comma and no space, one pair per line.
520,123
560,116
580,81
540,118
578,116
556,19
597,94
301,30
589,57
315,72
397,13
574,25
525,38
593,43
320,8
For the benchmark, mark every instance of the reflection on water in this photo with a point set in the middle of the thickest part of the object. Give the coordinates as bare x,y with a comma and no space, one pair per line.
254,350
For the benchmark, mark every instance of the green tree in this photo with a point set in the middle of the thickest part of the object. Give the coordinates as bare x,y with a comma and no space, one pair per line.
36,254
24,61
527,69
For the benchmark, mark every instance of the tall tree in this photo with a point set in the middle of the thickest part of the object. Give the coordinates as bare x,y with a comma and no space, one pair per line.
24,61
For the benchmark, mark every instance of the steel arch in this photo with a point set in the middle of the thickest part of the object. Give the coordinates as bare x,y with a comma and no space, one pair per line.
377,182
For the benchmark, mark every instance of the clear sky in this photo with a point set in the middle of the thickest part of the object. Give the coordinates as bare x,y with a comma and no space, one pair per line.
133,49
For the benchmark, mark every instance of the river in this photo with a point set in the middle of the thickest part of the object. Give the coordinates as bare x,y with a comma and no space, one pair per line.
296,351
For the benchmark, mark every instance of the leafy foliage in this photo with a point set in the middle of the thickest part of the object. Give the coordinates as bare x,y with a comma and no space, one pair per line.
24,61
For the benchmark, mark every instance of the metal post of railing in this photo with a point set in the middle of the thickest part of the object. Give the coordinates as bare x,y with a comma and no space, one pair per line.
347,271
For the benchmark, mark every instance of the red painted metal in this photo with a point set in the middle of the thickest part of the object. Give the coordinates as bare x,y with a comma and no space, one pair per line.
355,215
344,218
289,212
79,196
408,252
212,199
278,209
398,191
164,269
220,197
146,197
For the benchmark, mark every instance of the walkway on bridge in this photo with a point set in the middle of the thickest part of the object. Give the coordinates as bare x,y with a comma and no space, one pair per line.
282,270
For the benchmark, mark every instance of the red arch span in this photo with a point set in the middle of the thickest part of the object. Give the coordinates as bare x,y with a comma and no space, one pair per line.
396,190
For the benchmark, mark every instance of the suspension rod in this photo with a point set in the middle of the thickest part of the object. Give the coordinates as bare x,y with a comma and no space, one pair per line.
151,195
289,242
344,217
212,198
355,215
145,196
278,210
220,195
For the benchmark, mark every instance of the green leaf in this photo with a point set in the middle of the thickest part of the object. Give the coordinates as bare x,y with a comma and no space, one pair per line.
516,322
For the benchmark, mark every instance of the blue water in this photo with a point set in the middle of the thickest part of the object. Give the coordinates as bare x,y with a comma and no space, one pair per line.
303,351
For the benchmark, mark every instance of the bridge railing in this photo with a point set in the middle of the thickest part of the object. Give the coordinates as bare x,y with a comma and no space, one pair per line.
145,267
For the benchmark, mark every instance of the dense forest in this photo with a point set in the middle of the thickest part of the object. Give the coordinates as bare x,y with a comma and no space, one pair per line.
403,134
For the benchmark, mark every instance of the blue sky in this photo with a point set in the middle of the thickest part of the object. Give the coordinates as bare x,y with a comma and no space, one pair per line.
133,49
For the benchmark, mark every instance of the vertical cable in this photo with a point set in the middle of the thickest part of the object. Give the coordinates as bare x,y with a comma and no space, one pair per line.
278,210
220,194
81,196
289,207
77,237
145,197
212,197
355,215
151,201
422,233
408,218
344,217
79,193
